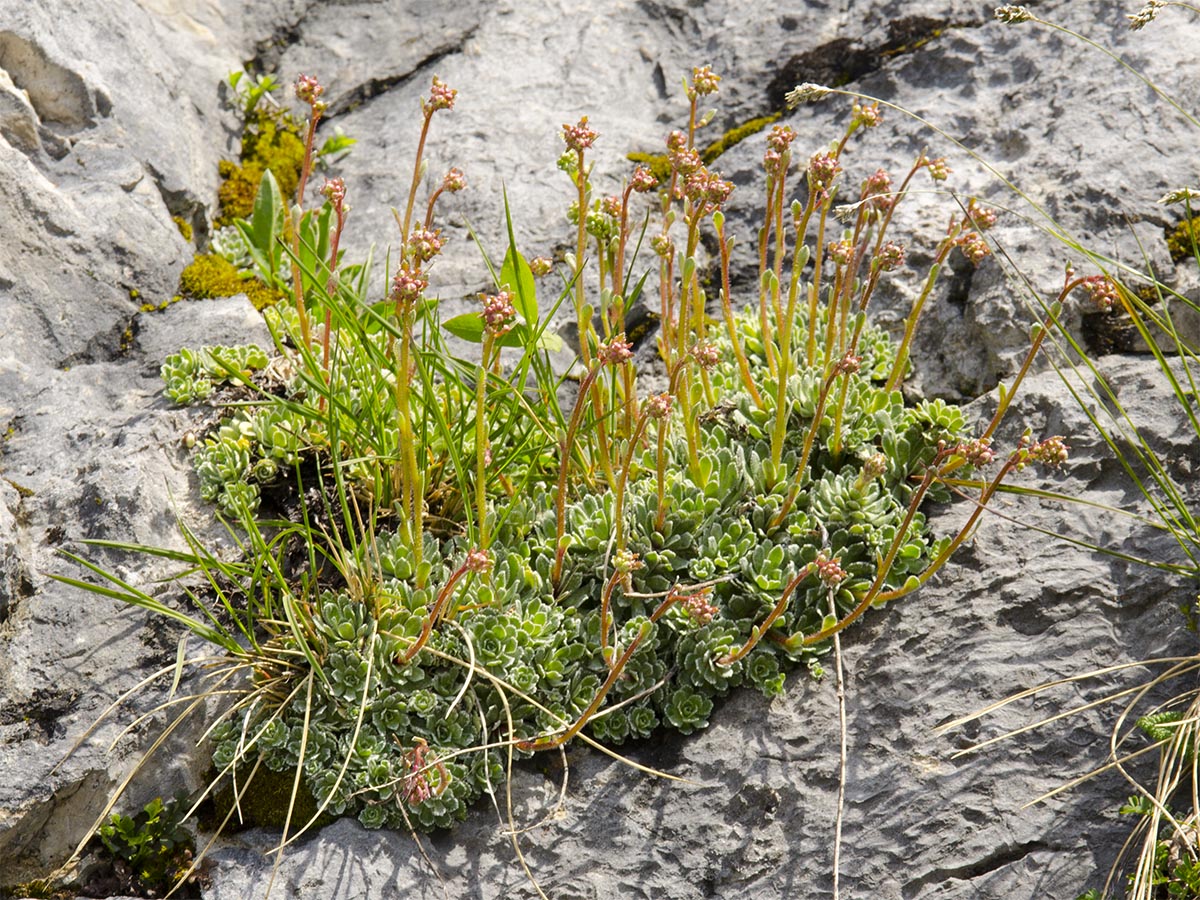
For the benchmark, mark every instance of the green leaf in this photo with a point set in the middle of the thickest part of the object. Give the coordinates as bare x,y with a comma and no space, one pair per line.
267,219
468,327
519,277
550,341
336,145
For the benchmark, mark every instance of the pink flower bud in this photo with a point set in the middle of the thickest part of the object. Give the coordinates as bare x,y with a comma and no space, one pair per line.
579,137
441,96
454,181
828,569
659,406
407,286
643,180
615,352
1102,291
704,81
498,313
891,256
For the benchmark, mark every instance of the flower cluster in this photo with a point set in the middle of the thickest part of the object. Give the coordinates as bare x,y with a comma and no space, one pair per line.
822,170
828,569
334,190
424,244
977,452
1102,291
643,180
579,137
1013,15
441,96
454,181
973,246
499,314
865,115
938,169
1145,15
704,81
309,90
1051,452
407,287
891,256
615,352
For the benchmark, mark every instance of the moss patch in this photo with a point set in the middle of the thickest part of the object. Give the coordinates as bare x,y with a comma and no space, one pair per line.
735,136
271,140
264,804
185,227
210,275
659,165
1183,239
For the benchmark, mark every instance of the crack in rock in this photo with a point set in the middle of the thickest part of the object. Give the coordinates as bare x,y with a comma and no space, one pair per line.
373,87
843,61
998,859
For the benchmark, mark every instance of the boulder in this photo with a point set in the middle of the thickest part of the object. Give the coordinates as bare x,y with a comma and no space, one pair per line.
113,126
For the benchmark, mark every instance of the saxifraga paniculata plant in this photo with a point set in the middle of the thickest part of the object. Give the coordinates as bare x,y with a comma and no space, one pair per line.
601,571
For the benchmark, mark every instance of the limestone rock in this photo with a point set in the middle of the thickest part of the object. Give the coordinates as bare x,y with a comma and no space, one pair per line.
112,121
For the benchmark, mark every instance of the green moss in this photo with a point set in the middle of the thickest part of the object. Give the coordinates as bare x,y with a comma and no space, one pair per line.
210,275
38,888
661,167
1183,239
23,492
159,307
185,227
916,44
271,140
735,136
264,804
655,162
235,196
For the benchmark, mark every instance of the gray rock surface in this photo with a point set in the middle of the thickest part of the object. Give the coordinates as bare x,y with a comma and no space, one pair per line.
111,122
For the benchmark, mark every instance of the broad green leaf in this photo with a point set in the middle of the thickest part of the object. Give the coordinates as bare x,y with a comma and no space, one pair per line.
519,277
468,327
267,219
